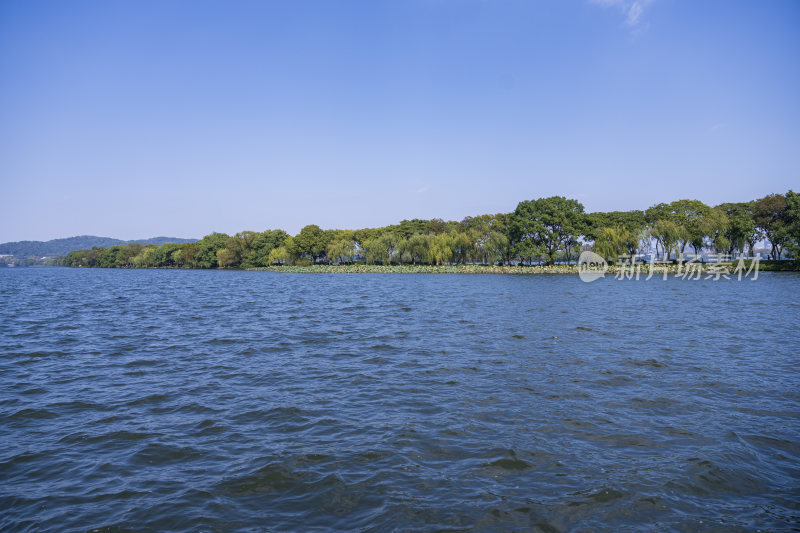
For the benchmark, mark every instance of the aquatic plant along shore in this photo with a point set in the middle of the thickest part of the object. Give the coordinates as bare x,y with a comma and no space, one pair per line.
643,269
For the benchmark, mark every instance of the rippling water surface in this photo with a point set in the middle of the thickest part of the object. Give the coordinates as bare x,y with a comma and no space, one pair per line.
216,401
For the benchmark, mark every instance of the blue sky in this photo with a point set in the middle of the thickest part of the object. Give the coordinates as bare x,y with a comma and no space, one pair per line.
136,119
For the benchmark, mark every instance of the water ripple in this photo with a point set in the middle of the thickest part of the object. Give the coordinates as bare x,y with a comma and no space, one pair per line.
219,401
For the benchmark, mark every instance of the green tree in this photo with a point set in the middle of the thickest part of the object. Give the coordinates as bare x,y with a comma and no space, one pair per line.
441,249
685,215
279,255
163,255
107,257
390,242
436,226
311,242
769,214
501,223
711,232
463,246
668,235
689,215
793,223
341,250
226,258
613,242
237,248
126,255
189,254
418,247
497,247
145,258
375,250
551,223
407,228
741,232
260,247
530,250
207,247
360,236
632,221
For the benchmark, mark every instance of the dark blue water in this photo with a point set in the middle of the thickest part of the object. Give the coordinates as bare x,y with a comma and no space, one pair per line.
217,401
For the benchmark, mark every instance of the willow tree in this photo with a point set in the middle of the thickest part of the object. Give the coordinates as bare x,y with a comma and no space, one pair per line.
496,248
613,243
375,250
226,258
278,256
391,243
441,249
341,250
463,245
418,248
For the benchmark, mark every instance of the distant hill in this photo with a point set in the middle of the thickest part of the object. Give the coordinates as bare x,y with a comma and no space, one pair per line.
59,247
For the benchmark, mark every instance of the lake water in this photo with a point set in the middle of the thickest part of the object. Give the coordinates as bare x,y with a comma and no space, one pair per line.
220,400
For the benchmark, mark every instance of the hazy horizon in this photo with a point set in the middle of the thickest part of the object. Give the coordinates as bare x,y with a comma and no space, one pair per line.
133,120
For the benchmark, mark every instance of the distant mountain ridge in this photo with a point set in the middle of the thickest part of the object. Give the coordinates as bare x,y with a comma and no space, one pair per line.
59,247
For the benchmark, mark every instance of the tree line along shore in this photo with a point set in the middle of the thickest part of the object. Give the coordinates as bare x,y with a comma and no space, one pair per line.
547,231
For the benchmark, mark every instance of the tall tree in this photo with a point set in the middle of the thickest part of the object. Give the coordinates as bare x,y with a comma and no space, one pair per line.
441,248
550,223
262,245
685,214
407,228
279,255
741,232
418,247
793,223
633,221
341,250
207,247
311,242
712,232
375,249
237,248
769,214
668,234
613,242
436,226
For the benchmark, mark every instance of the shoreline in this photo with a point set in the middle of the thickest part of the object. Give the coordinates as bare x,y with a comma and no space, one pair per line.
764,266
361,268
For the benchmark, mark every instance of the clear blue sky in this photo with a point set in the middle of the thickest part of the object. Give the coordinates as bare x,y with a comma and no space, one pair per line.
136,119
